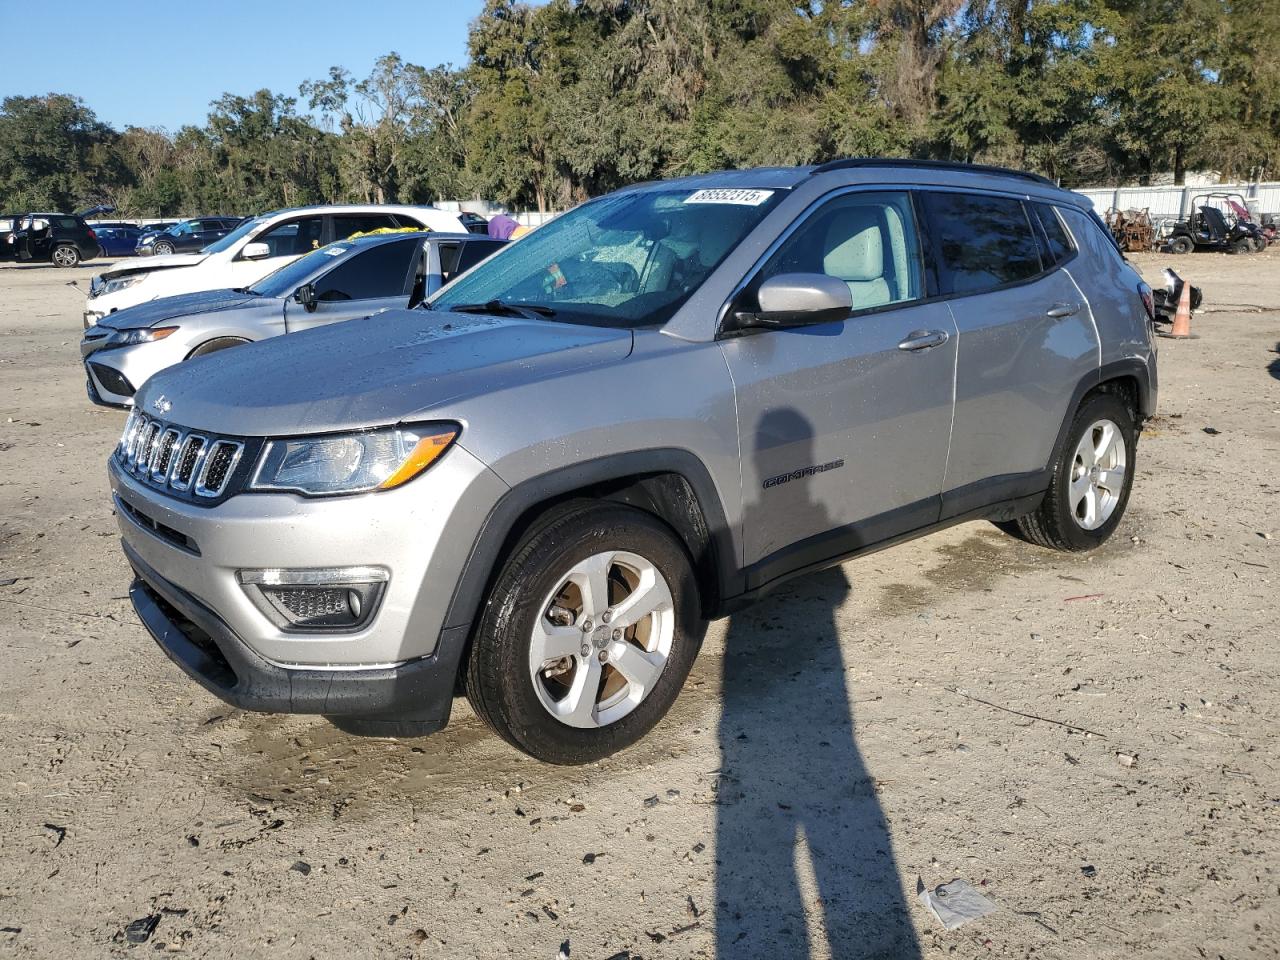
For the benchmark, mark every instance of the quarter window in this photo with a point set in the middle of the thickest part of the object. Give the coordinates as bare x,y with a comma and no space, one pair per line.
380,272
1059,241
979,241
868,240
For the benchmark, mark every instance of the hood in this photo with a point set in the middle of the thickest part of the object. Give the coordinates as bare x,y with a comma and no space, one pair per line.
154,263
151,312
380,370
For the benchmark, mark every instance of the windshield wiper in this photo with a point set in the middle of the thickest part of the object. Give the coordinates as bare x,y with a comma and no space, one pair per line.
530,311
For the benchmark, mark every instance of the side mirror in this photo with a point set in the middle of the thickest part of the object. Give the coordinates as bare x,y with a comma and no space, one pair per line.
305,295
798,300
255,251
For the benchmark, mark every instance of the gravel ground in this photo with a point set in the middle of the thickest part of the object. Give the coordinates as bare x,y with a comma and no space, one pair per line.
1089,740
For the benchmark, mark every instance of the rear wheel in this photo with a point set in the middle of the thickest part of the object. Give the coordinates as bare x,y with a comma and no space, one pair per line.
1181,245
66,255
587,635
1091,480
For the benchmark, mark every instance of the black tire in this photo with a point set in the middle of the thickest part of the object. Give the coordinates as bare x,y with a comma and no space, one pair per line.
1241,246
497,676
65,255
162,249
213,346
1181,245
1053,524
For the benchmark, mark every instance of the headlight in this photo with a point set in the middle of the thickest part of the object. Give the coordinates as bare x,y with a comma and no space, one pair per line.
127,338
121,283
352,462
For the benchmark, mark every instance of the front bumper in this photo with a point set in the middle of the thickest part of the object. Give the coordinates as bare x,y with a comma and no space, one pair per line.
115,374
209,651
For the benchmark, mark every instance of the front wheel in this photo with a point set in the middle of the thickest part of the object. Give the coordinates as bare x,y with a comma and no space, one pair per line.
588,634
162,249
66,256
1091,480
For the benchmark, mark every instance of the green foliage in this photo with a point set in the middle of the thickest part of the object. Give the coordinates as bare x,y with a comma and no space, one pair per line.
571,98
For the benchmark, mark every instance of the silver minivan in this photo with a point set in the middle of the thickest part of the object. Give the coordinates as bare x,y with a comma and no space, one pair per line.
538,487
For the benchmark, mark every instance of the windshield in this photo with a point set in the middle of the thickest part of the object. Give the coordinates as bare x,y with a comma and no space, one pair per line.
288,278
626,260
232,238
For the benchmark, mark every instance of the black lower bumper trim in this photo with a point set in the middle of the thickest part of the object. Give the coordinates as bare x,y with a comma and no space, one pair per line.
209,651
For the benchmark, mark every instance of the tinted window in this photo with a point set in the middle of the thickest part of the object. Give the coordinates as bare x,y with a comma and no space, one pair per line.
292,238
380,272
1059,242
474,252
979,241
68,223
352,223
449,253
868,240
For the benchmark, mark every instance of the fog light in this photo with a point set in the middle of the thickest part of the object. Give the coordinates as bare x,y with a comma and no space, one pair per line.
328,599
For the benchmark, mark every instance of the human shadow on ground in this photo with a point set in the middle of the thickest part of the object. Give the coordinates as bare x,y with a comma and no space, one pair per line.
804,861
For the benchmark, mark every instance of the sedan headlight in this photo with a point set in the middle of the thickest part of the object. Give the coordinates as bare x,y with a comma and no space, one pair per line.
128,337
121,283
352,462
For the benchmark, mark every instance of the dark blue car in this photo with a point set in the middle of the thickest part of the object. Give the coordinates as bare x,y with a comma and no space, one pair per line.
117,241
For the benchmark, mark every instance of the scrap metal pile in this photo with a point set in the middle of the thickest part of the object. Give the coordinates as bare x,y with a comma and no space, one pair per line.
1132,229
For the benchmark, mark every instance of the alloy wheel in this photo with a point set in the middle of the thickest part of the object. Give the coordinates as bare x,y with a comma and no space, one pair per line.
66,257
602,639
1097,474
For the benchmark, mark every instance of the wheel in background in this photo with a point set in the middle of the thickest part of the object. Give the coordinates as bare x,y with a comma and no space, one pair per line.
162,248
1181,245
66,255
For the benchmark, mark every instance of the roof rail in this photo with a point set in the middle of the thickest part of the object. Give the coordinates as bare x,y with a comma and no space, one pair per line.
852,163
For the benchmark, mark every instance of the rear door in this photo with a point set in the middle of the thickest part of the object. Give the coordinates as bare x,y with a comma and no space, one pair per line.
349,224
843,426
1026,341
376,279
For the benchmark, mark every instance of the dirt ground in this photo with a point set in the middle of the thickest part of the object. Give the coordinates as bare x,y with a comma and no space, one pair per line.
867,729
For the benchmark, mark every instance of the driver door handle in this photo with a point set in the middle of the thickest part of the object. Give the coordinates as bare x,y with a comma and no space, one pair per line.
924,339
1061,310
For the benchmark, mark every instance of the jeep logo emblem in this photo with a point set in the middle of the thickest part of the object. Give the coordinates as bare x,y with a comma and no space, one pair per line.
162,404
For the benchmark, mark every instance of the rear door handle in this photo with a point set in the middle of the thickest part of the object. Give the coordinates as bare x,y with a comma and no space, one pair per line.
924,339
1060,310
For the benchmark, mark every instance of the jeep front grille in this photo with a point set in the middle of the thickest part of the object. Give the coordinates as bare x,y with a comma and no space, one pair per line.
172,458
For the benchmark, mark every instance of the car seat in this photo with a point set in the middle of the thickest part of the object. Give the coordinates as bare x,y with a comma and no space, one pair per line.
854,252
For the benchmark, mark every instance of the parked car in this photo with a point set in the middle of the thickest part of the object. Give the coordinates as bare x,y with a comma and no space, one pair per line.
117,240
157,227
259,246
1216,224
651,410
186,236
63,239
341,281
474,222
8,244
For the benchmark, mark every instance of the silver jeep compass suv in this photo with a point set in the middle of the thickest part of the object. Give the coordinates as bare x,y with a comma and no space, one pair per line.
539,486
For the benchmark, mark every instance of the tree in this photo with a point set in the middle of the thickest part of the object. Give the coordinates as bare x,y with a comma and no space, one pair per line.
54,153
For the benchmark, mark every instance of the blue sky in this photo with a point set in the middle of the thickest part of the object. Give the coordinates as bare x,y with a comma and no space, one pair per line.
149,63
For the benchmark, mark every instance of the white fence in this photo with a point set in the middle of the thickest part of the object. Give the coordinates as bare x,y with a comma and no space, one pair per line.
1175,201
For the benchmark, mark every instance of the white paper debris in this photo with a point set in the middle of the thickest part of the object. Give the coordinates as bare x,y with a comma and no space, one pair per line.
954,903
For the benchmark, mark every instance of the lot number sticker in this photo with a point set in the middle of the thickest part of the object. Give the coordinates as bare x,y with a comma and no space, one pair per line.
746,198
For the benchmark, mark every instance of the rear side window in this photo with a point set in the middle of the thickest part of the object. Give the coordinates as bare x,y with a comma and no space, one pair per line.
475,251
68,223
380,272
352,223
1055,234
980,242
868,240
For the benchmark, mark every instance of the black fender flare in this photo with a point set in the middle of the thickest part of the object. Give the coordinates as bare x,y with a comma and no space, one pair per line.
494,536
1128,367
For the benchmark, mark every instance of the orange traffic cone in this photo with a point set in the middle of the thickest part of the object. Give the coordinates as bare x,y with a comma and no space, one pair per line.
1182,317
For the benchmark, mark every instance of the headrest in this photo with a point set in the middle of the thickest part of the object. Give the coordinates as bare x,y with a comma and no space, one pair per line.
855,252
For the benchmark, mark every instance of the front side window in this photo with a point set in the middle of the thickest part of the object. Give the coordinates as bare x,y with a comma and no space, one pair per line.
235,236
184,229
379,272
293,237
868,240
629,259
979,241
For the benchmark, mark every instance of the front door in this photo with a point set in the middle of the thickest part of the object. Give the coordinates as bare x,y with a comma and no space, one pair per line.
361,285
286,241
844,426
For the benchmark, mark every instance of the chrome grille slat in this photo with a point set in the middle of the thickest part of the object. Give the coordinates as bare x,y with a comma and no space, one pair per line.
167,457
